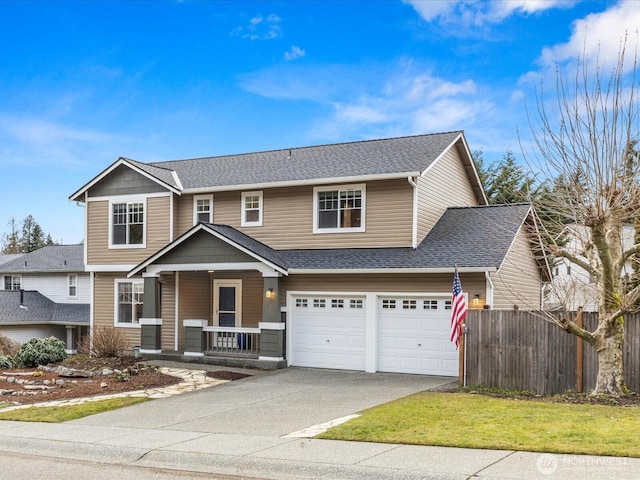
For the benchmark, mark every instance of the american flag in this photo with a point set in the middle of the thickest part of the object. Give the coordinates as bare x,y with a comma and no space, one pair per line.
458,309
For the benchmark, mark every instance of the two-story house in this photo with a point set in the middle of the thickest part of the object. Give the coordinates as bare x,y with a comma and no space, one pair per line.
45,293
572,286
333,256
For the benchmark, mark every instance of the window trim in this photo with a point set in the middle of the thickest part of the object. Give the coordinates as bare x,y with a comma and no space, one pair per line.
340,188
195,207
72,285
19,277
129,200
243,210
116,304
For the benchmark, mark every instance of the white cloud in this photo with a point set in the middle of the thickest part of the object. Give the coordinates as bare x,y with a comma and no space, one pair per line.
260,28
598,34
36,141
473,12
294,53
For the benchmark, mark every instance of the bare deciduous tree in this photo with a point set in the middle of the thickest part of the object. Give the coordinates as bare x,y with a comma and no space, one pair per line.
587,138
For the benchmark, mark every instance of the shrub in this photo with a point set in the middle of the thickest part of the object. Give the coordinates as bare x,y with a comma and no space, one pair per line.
107,342
6,361
40,351
8,347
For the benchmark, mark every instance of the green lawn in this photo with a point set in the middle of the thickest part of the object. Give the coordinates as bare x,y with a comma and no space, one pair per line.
69,412
479,421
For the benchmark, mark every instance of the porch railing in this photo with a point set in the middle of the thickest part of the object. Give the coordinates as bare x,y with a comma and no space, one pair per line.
232,341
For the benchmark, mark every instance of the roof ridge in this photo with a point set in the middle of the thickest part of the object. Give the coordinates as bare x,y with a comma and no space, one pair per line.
518,204
371,140
147,164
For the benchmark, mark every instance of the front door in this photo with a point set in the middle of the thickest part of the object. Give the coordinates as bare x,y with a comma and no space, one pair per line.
227,303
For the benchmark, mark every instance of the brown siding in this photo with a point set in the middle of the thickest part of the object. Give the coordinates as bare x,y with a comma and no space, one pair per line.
472,283
184,214
196,298
445,185
157,230
168,312
288,217
518,280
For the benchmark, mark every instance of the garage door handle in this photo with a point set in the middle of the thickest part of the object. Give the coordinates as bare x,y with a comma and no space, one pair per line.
419,344
328,340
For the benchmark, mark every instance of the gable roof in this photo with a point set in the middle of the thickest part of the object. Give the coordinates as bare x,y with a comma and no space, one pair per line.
39,309
53,258
475,238
343,162
244,243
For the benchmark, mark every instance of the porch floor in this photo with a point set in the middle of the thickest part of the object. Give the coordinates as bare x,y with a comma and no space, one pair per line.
225,361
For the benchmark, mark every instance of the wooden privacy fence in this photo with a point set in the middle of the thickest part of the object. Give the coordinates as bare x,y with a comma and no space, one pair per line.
520,350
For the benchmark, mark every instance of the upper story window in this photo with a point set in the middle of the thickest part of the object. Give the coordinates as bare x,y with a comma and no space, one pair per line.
12,282
127,224
73,285
129,302
339,209
203,209
251,209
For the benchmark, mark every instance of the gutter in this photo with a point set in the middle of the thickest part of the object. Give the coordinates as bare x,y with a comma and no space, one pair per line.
414,220
317,271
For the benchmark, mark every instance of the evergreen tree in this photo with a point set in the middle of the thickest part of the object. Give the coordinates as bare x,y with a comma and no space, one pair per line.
505,181
26,239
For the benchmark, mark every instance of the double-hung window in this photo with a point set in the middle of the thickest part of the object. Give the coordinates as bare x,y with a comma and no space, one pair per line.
251,210
339,209
127,223
12,282
203,209
73,285
129,302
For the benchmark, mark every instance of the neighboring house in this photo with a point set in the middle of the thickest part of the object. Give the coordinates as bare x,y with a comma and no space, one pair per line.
332,256
572,286
45,293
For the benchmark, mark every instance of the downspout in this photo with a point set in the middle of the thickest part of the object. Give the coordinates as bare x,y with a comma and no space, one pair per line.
414,220
489,291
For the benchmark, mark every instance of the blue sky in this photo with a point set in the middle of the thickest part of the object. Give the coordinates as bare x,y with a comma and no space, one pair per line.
85,82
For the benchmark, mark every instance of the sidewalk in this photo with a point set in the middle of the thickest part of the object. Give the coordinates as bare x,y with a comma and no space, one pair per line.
245,428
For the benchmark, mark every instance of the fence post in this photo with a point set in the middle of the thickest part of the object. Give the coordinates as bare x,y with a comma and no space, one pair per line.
579,356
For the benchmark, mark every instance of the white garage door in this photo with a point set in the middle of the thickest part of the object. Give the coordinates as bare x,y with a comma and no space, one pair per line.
329,332
414,336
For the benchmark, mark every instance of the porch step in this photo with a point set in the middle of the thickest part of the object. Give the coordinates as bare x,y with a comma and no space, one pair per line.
225,361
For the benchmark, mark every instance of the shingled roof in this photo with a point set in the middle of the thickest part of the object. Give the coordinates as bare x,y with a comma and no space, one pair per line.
402,155
38,309
472,237
53,258
353,161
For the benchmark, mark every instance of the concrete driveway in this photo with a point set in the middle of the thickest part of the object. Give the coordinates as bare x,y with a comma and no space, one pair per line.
270,403
243,429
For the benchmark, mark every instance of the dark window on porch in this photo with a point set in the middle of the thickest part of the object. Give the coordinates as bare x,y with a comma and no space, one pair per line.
227,307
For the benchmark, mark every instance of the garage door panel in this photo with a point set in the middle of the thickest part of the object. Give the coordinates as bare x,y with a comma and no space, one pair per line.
414,337
329,332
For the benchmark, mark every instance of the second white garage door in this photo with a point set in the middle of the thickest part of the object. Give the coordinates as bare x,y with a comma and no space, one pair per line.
329,332
413,336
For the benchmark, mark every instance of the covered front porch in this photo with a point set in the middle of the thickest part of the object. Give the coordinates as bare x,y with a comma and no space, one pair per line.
213,294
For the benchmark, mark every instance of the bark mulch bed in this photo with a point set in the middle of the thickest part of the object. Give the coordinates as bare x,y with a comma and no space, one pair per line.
82,376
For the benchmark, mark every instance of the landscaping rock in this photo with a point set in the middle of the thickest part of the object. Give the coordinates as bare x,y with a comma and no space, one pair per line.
72,373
